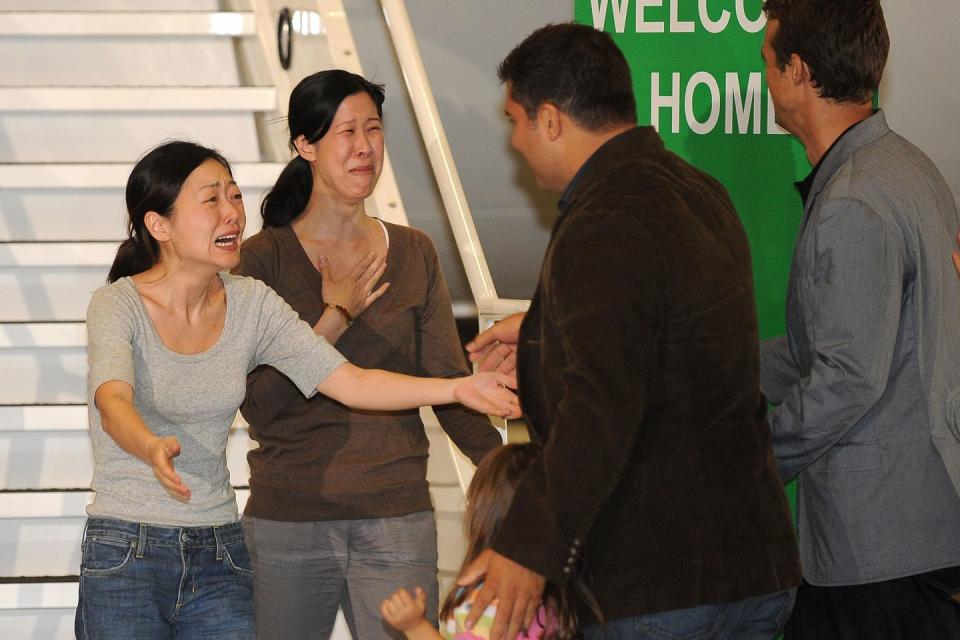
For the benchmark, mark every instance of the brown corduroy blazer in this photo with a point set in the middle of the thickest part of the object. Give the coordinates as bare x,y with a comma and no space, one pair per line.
639,377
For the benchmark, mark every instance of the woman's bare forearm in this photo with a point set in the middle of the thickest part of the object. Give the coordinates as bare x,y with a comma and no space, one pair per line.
122,422
377,390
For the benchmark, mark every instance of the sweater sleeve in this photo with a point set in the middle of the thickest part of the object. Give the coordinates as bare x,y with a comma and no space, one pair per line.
268,390
289,345
441,356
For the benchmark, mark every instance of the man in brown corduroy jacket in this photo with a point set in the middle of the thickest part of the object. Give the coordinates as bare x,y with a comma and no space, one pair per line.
638,371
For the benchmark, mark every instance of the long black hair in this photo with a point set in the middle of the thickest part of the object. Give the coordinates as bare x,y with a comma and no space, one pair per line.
153,185
313,103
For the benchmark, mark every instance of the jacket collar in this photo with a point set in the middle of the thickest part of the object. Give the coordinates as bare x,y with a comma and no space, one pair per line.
859,136
621,146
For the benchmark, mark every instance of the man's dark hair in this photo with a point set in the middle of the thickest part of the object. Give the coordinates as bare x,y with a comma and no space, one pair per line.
576,68
844,43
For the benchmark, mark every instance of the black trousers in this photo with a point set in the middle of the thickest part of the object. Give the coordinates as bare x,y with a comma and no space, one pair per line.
920,607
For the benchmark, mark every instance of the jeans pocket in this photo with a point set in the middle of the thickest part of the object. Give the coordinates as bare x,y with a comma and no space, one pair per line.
106,556
237,557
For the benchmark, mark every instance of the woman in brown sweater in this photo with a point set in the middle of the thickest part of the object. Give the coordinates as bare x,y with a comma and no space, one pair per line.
339,513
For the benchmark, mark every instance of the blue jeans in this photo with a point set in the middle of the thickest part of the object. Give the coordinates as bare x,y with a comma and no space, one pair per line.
144,581
760,618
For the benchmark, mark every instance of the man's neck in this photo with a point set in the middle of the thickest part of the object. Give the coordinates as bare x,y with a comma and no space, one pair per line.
584,144
827,121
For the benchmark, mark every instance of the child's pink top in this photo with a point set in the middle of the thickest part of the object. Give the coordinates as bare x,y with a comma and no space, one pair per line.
544,622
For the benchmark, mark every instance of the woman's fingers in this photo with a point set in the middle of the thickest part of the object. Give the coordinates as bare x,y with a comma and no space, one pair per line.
161,459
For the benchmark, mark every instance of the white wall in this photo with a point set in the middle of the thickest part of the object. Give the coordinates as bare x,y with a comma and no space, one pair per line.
921,88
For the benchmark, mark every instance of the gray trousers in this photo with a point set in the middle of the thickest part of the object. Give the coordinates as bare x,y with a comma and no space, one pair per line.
304,571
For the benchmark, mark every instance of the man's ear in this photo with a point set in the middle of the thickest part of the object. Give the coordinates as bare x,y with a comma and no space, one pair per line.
157,226
305,149
548,120
798,70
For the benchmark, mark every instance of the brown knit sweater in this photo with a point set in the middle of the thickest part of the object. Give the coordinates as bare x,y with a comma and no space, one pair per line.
319,460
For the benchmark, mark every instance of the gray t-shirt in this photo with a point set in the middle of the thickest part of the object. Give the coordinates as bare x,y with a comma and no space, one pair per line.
193,398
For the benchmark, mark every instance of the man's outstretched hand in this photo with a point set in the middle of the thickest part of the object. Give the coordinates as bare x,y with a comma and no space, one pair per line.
496,348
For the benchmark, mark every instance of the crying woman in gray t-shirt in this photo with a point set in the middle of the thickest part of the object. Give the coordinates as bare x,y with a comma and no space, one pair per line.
171,341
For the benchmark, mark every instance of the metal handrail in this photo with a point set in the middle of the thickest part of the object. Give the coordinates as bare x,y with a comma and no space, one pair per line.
489,305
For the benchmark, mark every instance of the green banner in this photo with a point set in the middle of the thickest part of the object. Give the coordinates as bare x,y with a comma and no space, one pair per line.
698,78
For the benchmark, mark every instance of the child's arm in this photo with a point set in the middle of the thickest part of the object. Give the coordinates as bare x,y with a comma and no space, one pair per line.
405,612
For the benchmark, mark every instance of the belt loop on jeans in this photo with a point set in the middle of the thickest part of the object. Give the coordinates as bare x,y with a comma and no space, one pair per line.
216,536
142,540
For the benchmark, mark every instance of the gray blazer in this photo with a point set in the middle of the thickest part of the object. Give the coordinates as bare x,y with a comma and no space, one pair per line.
867,379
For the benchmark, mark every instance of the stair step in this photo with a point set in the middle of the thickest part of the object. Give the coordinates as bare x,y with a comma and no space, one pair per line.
114,175
57,254
147,23
23,335
38,595
47,294
36,504
49,417
166,99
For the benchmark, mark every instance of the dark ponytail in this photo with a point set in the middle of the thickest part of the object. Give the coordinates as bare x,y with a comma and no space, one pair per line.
313,104
132,257
153,185
289,195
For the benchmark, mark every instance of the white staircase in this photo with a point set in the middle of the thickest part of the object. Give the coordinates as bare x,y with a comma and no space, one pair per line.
86,87
82,95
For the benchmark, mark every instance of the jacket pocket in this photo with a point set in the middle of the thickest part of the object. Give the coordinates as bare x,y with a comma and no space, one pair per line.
953,413
852,456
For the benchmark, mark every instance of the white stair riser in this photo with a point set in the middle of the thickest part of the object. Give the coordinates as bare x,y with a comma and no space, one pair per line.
145,61
63,460
40,376
176,99
40,546
37,624
101,24
108,5
82,214
121,137
59,254
67,214
48,293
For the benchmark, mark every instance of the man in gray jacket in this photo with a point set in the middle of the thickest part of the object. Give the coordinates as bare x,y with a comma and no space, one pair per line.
867,379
